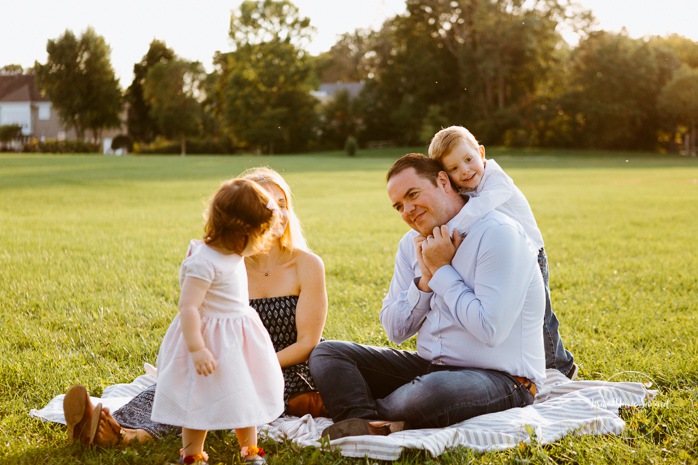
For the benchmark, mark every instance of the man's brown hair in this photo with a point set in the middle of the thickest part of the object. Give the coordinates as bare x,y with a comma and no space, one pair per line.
423,165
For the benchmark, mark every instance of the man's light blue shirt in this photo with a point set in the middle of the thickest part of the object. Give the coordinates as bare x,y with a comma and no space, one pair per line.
485,309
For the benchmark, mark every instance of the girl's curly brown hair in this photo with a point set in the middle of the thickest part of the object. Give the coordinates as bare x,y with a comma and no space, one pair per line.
238,215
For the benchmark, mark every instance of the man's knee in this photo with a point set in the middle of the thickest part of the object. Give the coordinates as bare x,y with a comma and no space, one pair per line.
327,348
323,352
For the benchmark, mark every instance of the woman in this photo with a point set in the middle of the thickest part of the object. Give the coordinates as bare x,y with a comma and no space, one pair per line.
286,287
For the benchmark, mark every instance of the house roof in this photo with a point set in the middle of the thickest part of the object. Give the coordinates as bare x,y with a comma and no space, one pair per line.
20,88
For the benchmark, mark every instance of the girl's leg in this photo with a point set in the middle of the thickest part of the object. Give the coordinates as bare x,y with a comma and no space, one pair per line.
247,438
193,441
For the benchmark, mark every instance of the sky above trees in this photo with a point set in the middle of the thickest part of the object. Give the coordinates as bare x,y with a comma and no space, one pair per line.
196,32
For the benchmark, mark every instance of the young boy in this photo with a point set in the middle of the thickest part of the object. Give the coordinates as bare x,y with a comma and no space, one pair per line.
490,188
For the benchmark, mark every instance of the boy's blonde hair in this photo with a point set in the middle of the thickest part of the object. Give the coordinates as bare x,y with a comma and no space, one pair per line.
238,215
446,140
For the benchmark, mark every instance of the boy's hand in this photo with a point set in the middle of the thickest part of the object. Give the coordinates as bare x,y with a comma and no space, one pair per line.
203,361
457,239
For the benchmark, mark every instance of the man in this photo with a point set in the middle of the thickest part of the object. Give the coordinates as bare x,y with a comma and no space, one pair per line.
476,305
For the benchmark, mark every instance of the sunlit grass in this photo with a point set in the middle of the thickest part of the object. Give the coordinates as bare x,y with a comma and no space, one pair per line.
90,248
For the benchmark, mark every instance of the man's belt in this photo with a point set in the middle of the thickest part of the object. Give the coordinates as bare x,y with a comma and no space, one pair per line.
527,383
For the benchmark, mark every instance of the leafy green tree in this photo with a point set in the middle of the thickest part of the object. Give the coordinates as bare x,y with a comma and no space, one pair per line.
348,59
265,83
500,52
265,98
173,91
11,70
141,126
612,91
408,72
433,121
210,125
476,62
10,132
264,21
339,121
80,81
684,49
678,103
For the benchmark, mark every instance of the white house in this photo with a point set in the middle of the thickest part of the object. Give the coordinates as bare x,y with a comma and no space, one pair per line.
21,103
328,91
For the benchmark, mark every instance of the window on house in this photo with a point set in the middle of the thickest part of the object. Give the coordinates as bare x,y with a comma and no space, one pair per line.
44,112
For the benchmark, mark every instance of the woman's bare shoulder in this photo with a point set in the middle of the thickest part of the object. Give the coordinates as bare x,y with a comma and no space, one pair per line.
308,260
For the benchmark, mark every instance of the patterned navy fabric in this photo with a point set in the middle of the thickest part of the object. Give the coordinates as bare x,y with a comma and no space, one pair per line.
278,315
136,415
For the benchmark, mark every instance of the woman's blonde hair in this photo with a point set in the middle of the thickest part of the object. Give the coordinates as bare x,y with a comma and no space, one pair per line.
238,215
447,139
292,237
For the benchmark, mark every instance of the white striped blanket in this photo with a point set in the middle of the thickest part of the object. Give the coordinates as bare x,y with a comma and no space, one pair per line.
561,407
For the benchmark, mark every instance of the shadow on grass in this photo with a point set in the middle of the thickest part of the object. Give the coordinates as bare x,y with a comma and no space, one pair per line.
77,453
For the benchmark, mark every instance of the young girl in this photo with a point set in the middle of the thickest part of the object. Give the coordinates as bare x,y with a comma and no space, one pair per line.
217,368
490,188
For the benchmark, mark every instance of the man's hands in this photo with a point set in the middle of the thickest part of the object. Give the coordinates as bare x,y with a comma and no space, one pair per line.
439,248
435,251
423,284
203,361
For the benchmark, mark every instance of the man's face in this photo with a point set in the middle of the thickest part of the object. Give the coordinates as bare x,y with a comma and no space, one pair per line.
421,204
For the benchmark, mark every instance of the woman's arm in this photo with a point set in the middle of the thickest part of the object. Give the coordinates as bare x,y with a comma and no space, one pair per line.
311,311
190,299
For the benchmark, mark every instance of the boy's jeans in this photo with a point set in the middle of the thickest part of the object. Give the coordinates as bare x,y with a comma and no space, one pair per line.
556,356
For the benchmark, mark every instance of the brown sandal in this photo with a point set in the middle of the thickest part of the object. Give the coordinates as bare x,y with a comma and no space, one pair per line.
111,434
361,427
81,417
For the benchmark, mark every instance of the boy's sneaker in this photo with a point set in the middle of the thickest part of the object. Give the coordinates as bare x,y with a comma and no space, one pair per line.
572,374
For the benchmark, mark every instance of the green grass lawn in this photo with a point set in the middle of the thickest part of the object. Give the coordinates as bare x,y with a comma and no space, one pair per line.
90,249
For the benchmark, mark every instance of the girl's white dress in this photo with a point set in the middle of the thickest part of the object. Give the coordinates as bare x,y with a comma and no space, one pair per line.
247,387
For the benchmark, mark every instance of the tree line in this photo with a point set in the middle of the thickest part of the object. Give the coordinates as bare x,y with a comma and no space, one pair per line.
499,67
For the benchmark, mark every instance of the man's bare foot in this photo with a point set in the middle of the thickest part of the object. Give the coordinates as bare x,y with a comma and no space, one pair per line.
111,434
